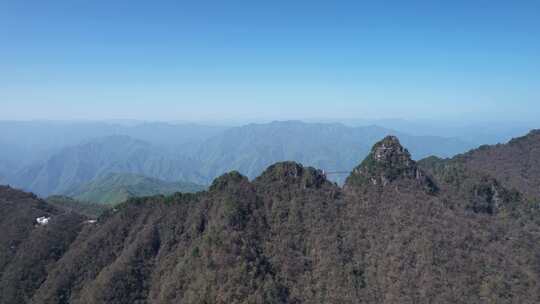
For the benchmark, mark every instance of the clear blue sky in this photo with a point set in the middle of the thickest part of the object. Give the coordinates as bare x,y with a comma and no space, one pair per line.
204,60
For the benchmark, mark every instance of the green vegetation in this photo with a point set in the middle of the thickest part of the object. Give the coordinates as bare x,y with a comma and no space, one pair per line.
115,188
91,210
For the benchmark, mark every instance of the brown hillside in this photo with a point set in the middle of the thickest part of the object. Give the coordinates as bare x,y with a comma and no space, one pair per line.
394,234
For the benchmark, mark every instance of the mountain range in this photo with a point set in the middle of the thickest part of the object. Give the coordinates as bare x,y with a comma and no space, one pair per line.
27,142
332,147
464,229
83,163
248,149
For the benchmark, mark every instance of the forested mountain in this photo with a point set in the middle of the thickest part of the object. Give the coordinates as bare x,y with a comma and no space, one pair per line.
438,231
27,142
115,188
515,165
28,249
82,163
248,149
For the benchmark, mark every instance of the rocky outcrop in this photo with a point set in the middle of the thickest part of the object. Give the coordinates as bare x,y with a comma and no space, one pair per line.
387,162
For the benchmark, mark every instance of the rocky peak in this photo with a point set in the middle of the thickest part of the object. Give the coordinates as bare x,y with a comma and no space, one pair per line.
390,151
387,161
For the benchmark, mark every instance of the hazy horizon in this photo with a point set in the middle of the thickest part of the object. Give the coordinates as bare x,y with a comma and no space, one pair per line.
358,121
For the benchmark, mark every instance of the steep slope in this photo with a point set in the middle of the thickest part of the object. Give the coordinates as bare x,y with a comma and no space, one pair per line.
332,147
516,165
393,234
82,163
29,249
114,188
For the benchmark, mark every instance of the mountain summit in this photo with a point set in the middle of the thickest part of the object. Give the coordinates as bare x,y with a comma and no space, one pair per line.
388,161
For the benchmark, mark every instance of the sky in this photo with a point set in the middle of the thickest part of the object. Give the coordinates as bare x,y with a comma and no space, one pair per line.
248,60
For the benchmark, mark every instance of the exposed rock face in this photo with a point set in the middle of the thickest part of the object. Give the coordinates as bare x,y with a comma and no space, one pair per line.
388,161
389,150
290,236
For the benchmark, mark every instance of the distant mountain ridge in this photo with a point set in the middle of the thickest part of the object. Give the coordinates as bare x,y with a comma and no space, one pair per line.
80,164
27,142
115,188
248,149
333,147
